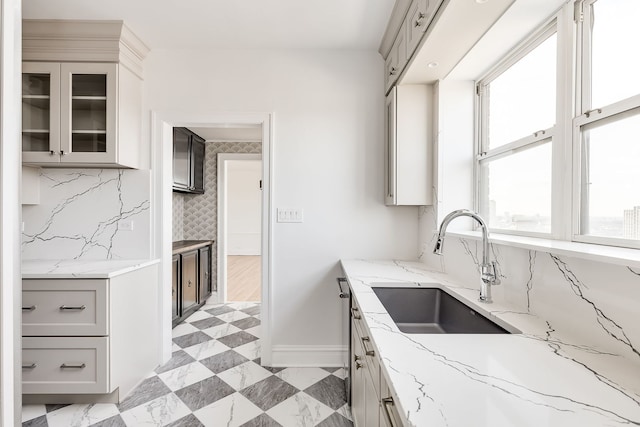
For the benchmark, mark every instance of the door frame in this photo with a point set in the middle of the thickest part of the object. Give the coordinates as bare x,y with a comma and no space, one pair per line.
162,124
223,158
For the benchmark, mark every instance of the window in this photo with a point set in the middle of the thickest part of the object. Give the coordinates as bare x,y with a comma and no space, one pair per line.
518,105
559,141
607,126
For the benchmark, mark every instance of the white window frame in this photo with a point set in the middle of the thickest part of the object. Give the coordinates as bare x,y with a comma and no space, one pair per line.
586,114
537,138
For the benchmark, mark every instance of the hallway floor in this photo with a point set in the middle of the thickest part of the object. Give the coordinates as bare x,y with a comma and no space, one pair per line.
243,278
214,378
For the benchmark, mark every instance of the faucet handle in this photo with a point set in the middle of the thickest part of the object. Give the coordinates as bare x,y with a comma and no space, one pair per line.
496,277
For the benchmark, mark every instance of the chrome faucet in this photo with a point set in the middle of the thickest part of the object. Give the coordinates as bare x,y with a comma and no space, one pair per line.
488,269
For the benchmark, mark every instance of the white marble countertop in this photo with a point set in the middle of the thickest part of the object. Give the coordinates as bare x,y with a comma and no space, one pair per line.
81,269
535,378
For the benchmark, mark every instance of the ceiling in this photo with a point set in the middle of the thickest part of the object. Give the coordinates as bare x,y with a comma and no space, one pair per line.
233,24
229,133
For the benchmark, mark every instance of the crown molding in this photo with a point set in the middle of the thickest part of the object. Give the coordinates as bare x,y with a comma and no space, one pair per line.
82,41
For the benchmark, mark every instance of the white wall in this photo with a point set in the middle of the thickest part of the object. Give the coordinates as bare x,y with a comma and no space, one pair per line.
244,208
10,159
327,159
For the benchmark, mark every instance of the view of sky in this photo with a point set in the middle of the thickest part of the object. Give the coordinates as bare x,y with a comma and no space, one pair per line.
522,101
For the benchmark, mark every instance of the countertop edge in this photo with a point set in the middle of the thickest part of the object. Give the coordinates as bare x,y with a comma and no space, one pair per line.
89,274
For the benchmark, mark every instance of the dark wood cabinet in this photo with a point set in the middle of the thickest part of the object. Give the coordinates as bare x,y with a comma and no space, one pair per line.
175,288
189,266
188,161
204,258
197,162
192,281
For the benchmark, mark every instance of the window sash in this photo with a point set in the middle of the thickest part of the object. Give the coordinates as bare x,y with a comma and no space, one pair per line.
585,115
595,118
541,136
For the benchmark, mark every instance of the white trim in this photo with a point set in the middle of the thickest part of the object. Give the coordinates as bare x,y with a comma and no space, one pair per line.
308,355
223,158
161,204
600,253
562,151
10,212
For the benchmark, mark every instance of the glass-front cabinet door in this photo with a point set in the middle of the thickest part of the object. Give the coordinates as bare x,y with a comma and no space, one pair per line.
69,112
41,112
88,113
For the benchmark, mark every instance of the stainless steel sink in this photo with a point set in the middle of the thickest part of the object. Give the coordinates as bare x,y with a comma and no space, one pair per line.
433,311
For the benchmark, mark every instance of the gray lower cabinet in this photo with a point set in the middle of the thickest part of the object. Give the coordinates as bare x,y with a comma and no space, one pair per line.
371,401
88,340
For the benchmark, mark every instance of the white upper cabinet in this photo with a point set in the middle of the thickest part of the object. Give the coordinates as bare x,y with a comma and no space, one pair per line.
396,61
83,106
403,36
419,16
408,154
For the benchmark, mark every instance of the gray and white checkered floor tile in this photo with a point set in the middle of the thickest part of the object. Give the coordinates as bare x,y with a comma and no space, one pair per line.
214,378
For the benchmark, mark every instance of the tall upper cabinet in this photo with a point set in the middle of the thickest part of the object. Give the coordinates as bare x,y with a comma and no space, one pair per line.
81,94
408,112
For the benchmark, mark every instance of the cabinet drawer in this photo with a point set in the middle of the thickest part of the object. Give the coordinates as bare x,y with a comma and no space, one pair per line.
64,307
366,349
64,365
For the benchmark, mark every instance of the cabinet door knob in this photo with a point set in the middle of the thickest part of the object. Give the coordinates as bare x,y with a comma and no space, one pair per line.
419,20
62,153
392,72
189,283
31,366
52,152
30,308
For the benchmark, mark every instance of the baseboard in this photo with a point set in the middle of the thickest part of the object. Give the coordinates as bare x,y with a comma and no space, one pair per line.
308,356
34,399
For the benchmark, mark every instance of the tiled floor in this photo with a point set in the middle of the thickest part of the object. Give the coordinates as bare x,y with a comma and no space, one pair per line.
215,379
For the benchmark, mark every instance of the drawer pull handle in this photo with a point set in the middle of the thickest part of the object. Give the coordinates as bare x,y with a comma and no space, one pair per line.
32,366
65,366
365,340
354,311
79,308
342,293
386,402
31,308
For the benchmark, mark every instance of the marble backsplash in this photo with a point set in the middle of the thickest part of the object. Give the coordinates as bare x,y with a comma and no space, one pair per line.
585,303
89,214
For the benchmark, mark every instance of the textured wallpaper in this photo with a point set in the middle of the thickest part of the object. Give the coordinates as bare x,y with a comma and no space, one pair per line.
178,217
199,211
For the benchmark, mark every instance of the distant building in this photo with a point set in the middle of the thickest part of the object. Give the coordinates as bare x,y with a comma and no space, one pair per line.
631,228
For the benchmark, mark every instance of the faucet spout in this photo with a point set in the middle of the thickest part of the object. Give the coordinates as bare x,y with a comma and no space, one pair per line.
487,268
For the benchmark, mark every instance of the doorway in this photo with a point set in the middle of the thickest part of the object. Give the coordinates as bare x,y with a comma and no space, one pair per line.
161,166
239,228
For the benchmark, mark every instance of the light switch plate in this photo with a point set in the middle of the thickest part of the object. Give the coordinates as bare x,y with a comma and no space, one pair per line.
290,215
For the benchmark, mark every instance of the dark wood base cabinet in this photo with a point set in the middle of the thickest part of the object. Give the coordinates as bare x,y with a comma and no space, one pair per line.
191,278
